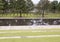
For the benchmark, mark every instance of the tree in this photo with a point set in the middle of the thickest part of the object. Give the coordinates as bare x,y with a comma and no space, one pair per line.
58,8
5,6
21,6
42,6
2,3
29,5
53,6
18,6
13,5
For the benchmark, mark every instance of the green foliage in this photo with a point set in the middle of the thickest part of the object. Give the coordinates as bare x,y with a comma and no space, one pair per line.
29,5
44,5
53,6
21,5
16,5
58,7
1,4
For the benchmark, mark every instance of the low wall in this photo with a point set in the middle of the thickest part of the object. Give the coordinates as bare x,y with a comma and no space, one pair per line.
28,27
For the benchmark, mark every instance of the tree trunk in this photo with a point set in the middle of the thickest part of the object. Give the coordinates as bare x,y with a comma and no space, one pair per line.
43,13
20,14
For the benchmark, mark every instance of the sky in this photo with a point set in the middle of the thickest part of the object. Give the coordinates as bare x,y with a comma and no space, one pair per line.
36,1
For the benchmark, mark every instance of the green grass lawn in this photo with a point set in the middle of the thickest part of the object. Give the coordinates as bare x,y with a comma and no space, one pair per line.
18,15
47,15
30,33
53,39
52,15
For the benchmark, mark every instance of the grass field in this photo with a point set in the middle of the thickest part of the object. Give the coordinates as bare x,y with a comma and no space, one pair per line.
48,15
36,32
53,39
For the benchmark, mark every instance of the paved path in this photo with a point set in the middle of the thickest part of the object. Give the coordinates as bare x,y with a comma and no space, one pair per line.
29,27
